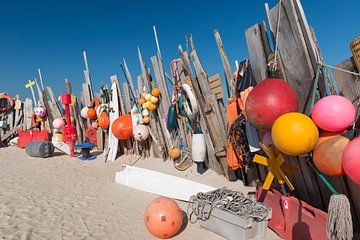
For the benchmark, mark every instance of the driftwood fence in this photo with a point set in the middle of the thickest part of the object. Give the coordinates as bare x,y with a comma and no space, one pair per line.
298,57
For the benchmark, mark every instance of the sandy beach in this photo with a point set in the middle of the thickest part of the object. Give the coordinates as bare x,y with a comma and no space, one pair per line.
64,198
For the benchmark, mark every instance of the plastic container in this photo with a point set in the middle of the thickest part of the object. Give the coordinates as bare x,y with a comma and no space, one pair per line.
39,148
26,136
234,227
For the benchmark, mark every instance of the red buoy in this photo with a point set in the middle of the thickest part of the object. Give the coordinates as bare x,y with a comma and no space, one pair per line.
270,99
351,161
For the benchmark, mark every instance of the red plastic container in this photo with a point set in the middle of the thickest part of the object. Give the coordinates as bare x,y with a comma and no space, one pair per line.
292,218
26,136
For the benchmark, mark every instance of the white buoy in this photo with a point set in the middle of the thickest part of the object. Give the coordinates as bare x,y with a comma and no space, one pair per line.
198,150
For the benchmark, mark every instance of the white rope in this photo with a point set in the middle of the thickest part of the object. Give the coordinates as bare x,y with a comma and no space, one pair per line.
343,70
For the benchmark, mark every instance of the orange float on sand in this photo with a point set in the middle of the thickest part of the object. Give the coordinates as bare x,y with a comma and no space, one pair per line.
104,120
122,127
163,217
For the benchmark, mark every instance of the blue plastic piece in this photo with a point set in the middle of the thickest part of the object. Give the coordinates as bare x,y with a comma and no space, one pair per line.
85,145
92,157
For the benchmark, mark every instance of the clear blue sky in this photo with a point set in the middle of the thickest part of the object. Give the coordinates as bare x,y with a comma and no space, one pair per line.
51,35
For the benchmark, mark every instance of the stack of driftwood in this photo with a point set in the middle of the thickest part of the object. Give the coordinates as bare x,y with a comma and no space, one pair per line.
296,58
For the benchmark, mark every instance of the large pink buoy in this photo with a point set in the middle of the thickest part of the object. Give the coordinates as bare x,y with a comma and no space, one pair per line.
351,161
333,113
270,99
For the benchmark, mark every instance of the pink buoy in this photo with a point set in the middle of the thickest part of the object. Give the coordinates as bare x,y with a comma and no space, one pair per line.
58,123
351,161
333,113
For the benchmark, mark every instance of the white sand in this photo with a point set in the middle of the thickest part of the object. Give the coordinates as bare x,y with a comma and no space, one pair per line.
64,198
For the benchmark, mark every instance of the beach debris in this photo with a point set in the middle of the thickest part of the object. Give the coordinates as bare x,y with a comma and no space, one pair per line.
152,181
40,149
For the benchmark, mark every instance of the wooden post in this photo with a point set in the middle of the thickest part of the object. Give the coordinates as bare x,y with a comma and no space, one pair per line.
226,64
87,76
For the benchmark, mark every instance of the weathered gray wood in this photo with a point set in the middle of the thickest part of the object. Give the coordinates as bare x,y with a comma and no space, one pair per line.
129,78
127,101
299,70
57,109
226,64
28,110
207,124
87,76
165,97
143,69
18,111
349,85
257,52
140,84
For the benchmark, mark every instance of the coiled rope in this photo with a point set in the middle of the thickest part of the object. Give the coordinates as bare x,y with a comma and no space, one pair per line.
202,204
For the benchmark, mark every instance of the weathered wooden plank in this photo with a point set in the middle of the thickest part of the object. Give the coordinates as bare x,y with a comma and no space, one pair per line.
257,52
140,84
58,110
215,138
19,106
226,64
28,111
165,98
349,85
216,86
87,76
127,101
299,70
129,79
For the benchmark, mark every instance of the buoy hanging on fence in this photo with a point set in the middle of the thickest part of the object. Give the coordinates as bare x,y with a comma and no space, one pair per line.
333,113
163,217
141,132
83,112
40,111
155,92
294,134
270,99
171,119
91,113
174,152
58,123
122,127
350,160
328,156
104,120
198,150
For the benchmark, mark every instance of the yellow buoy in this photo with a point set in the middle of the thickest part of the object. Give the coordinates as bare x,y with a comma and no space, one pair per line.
294,133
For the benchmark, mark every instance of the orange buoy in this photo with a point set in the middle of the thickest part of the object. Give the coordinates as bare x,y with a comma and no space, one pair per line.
155,92
146,119
122,127
142,101
174,152
325,135
328,155
91,113
163,217
104,120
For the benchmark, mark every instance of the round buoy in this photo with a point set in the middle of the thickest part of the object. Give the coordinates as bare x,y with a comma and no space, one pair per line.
328,155
58,123
83,112
350,160
269,100
104,120
333,113
163,217
40,111
155,92
91,113
294,133
174,152
122,127
141,132
325,135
